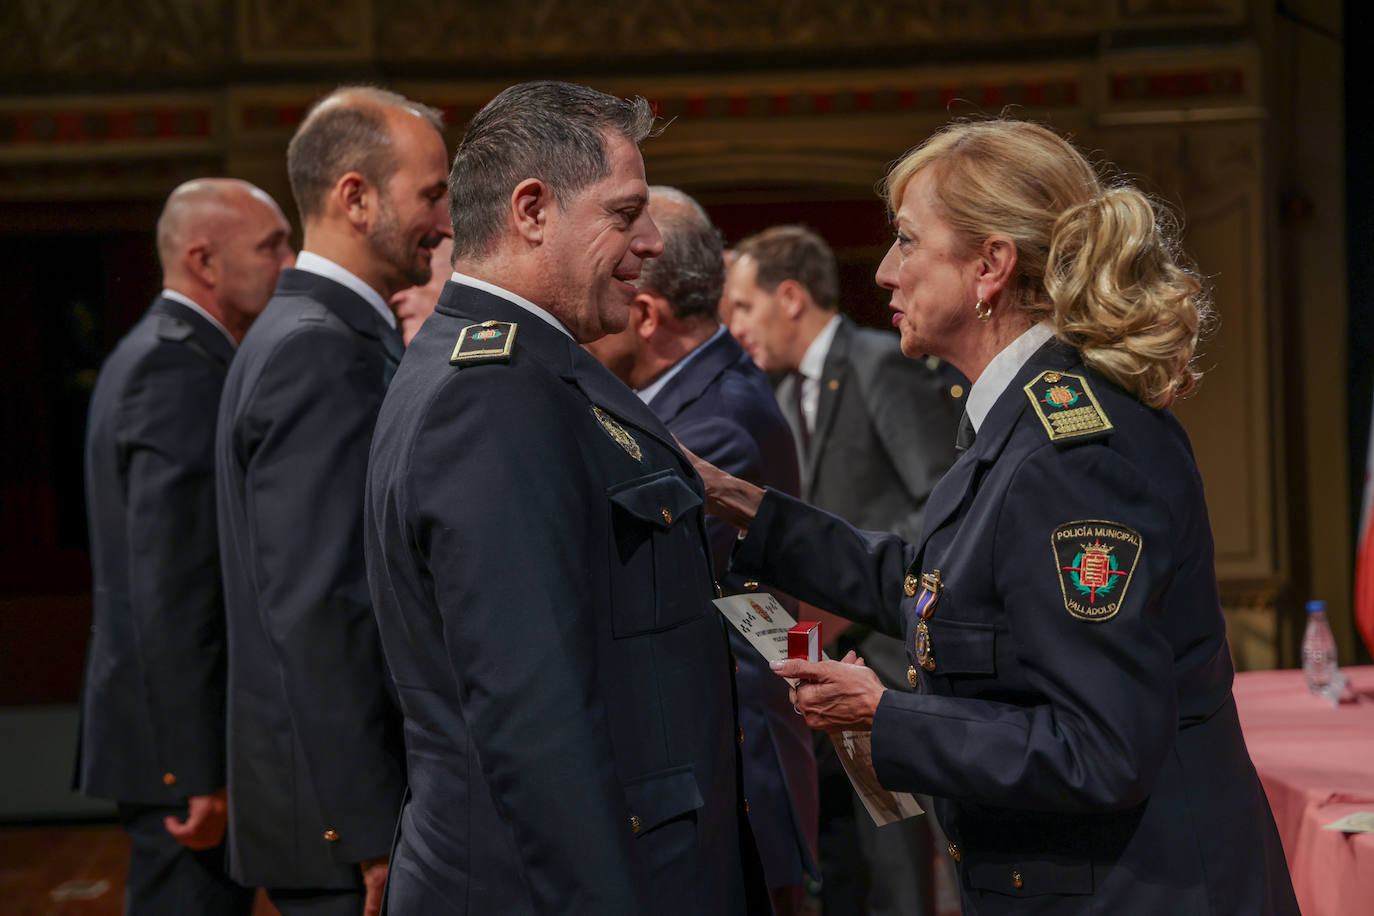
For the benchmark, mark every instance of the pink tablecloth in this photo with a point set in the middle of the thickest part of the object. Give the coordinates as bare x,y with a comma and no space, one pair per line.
1317,765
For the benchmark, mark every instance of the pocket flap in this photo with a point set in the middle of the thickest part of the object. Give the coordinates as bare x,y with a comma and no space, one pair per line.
659,499
1035,876
961,647
660,797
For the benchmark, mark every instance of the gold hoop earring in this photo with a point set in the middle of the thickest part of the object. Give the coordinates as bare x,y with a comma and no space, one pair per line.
982,310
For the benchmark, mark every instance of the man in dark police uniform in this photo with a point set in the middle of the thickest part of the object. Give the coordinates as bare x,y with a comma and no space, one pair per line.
538,560
152,711
316,772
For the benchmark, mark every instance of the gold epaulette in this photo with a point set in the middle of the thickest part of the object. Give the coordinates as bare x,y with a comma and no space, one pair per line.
487,342
1067,406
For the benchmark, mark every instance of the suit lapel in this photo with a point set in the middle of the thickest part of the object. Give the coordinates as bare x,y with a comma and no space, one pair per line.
834,376
703,367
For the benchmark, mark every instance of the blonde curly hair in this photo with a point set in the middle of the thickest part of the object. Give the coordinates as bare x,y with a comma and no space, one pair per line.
1100,262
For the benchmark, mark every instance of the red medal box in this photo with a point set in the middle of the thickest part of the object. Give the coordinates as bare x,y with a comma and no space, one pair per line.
804,641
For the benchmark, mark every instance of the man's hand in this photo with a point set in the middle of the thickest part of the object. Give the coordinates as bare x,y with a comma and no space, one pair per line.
374,879
206,818
833,696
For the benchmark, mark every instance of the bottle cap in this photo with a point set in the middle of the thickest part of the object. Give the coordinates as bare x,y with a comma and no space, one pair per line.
1316,606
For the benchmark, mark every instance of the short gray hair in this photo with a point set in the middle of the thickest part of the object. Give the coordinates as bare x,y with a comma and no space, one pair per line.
346,131
690,273
552,131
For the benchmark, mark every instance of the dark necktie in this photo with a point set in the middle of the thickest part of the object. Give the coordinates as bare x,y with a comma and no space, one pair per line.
803,428
964,438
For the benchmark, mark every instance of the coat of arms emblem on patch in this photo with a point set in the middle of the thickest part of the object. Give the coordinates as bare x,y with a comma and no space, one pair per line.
1095,560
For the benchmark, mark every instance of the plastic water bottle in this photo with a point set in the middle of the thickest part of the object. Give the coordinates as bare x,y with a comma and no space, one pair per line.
1319,668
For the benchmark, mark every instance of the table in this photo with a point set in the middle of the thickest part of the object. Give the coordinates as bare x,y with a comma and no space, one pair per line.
1317,765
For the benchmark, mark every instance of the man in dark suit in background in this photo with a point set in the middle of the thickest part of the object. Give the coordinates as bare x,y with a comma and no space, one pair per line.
537,553
875,431
681,361
152,708
316,769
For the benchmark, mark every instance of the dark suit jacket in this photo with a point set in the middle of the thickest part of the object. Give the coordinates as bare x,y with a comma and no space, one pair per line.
1082,742
720,406
544,597
315,752
152,709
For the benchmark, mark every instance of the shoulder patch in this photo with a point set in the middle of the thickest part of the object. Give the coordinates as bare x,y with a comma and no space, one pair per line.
1067,407
1095,560
169,328
488,342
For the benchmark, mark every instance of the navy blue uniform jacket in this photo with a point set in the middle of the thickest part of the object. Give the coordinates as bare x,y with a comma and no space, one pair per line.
316,759
543,590
152,708
721,407
1082,745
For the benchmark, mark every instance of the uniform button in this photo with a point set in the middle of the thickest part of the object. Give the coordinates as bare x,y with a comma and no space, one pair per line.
910,584
833,384
751,585
1016,880
956,391
331,835
955,854
736,661
667,515
1052,377
741,734
634,823
746,806
169,779
912,677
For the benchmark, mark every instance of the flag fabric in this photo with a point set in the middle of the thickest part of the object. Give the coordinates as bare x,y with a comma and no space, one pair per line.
1364,557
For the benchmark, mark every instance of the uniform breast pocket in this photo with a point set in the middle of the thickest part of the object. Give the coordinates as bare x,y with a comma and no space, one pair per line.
664,577
961,647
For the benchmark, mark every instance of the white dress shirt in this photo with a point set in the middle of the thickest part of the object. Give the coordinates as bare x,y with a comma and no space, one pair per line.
1003,368
323,267
186,301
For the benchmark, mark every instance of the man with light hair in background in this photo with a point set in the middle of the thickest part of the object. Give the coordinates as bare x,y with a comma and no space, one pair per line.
316,753
153,702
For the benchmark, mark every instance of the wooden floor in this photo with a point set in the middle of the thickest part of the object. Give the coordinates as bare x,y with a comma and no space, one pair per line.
69,871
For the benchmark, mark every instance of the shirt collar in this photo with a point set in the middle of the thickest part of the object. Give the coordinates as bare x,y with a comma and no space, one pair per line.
511,297
323,267
1003,368
813,360
647,393
199,310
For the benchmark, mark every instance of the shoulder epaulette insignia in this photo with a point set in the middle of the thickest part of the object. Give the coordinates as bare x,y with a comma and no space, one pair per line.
1067,406
169,328
488,342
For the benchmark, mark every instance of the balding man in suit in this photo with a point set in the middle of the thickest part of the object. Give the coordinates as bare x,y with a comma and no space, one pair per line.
153,703
316,755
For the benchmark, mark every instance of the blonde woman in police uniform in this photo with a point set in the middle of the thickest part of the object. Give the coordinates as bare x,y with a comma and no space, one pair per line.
1073,717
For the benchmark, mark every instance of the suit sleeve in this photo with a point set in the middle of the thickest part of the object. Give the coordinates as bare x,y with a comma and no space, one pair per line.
167,421
916,427
514,531
318,399
825,561
1107,716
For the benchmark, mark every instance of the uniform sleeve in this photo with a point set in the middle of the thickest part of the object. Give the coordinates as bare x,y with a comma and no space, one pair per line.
913,421
167,421
1106,713
515,532
825,561
314,406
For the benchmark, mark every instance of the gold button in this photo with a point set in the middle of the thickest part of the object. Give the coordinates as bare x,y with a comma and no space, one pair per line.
833,384
956,391
736,661
912,677
746,806
955,854
1016,881
634,823
1052,377
169,779
332,835
910,584
751,585
741,734
667,516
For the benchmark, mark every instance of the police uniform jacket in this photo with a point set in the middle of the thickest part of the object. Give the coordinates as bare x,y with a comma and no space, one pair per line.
1074,717
536,551
152,708
719,405
316,763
